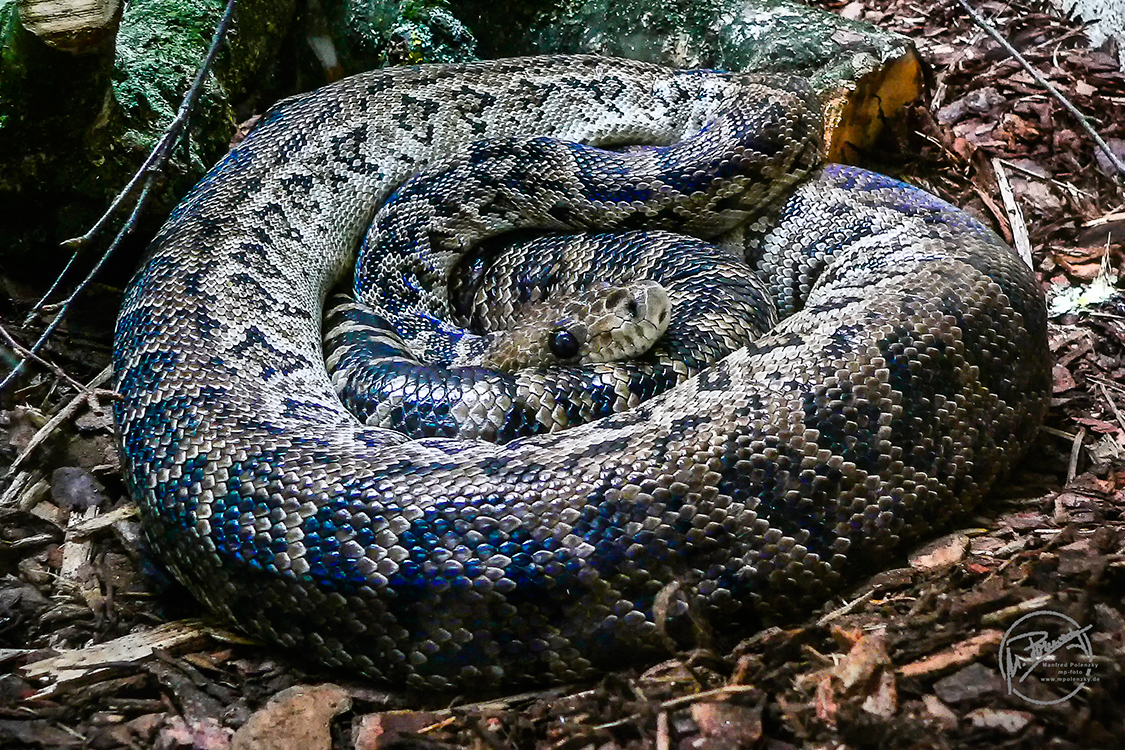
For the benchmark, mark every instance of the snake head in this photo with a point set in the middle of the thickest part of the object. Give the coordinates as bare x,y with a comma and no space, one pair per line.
604,323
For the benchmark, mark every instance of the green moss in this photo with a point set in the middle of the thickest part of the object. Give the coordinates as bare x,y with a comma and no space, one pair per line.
432,34
159,48
11,71
372,33
8,19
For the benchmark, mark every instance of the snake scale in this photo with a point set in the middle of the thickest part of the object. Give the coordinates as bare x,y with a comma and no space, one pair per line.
908,373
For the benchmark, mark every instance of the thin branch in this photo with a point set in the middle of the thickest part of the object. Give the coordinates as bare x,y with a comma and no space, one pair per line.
1116,412
160,153
27,354
846,609
125,230
684,700
88,395
1020,239
1081,118
150,171
47,294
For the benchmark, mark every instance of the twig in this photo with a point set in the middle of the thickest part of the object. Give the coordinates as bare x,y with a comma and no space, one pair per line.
1015,216
150,171
26,484
160,153
65,305
88,394
1057,433
846,609
27,354
47,294
1106,219
1112,405
980,21
1075,452
1107,383
685,700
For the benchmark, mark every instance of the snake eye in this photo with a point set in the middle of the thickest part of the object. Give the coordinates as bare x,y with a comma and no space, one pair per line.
563,344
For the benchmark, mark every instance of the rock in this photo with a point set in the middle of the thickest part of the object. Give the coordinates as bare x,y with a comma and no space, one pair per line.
865,74
297,718
76,489
376,731
972,682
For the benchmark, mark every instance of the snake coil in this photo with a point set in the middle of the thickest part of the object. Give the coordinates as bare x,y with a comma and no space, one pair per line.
908,373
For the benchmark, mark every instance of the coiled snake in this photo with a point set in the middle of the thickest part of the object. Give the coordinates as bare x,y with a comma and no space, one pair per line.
910,373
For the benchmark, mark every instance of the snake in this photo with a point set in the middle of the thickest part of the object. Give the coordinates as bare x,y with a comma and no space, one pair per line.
908,372
575,327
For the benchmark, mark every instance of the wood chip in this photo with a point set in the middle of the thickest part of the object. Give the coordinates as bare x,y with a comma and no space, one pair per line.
76,665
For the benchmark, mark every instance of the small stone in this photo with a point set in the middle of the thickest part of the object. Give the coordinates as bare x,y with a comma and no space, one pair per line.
1006,720
76,489
376,731
972,682
940,554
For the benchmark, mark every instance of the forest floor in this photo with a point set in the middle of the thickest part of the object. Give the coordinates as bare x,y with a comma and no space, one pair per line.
98,649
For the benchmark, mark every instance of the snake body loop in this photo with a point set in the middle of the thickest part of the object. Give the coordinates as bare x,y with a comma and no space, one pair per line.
718,305
910,372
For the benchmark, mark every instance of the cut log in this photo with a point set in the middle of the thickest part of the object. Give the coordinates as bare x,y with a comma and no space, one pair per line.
55,46
74,26
88,86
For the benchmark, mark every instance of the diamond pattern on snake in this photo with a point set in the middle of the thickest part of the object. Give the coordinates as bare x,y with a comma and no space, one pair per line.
907,371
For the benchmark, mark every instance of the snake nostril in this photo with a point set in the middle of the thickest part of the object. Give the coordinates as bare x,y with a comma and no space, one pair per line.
614,299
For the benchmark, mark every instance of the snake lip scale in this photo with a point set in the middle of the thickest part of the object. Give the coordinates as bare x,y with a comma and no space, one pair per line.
909,371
